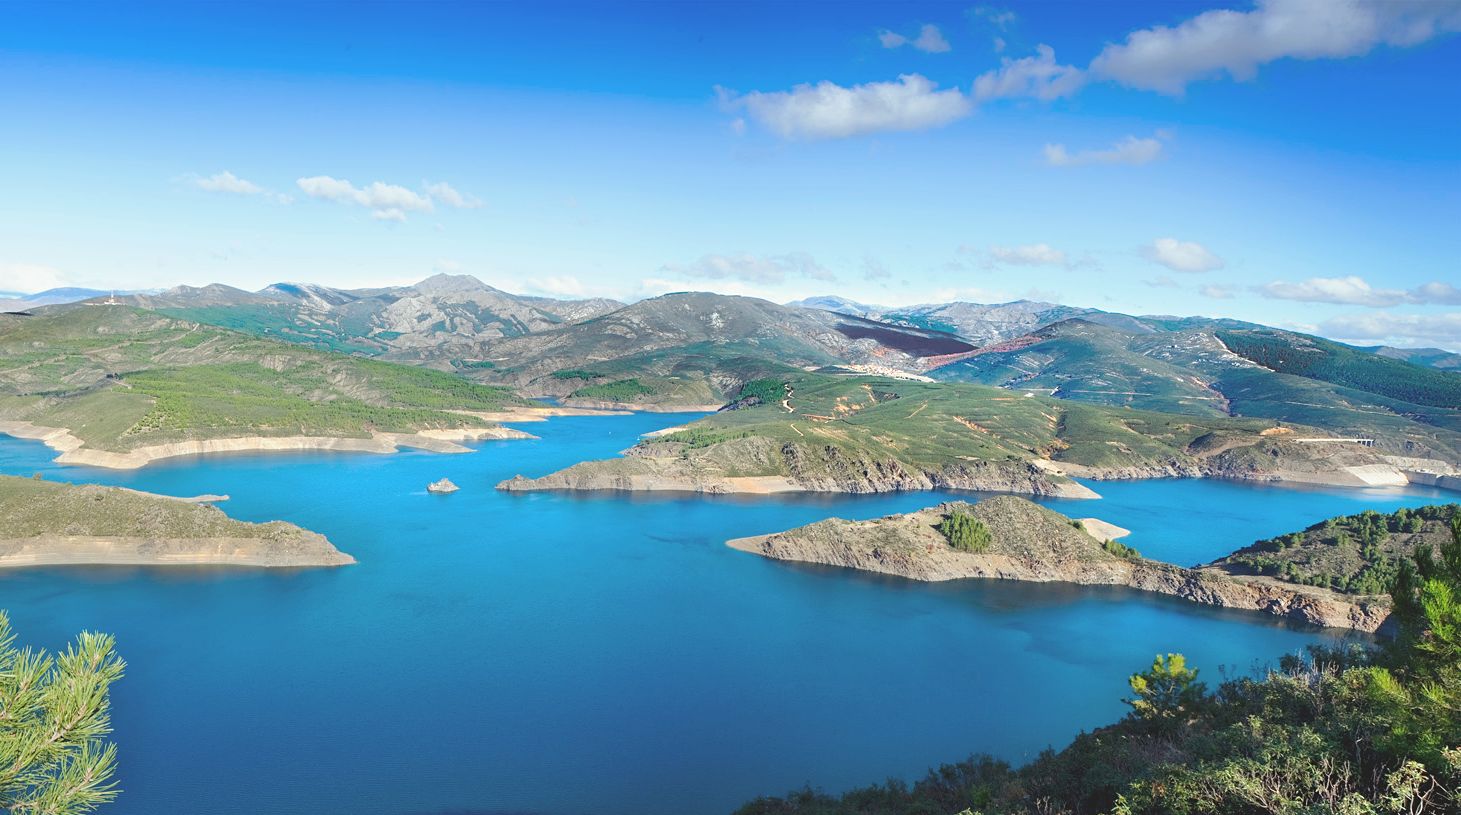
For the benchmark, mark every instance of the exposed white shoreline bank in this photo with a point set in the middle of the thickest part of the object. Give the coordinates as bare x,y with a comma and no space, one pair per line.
310,550
73,450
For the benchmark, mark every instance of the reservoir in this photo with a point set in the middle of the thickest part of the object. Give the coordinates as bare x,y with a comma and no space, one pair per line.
606,653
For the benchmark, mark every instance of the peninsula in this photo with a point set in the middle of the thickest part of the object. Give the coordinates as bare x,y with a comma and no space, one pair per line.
45,523
1009,538
814,432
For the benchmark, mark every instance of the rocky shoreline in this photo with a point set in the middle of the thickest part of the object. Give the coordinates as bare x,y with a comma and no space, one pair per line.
307,549
757,465
1034,544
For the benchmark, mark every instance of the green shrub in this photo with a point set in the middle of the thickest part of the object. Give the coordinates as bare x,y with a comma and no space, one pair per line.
1120,549
965,532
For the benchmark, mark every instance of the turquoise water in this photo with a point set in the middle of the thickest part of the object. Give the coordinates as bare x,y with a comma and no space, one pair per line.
547,653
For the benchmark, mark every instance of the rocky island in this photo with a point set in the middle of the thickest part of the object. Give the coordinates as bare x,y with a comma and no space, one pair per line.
45,523
1016,539
442,486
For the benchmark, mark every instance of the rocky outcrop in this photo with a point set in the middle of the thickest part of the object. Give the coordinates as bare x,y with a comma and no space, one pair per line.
760,465
442,486
1031,543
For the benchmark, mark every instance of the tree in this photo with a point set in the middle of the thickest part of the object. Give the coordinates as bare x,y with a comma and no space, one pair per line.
1169,693
54,720
965,532
1427,651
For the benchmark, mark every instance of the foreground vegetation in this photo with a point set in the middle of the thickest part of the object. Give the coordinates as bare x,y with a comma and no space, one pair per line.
1352,731
1353,554
55,758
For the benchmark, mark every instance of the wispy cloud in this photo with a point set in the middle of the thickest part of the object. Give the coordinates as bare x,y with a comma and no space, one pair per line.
1034,254
446,194
1181,256
1397,329
929,40
1166,59
999,18
762,269
29,278
1037,77
386,202
228,183
1130,150
1353,290
827,110
875,269
1219,292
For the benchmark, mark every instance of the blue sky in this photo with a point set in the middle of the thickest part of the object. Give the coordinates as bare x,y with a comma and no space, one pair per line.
1292,162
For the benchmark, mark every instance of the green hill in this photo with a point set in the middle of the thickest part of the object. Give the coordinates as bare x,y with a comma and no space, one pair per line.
1187,368
1326,361
121,378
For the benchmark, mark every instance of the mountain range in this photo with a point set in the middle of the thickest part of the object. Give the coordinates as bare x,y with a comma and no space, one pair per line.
698,349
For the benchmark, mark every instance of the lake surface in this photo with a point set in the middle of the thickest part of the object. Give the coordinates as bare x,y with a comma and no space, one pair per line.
549,653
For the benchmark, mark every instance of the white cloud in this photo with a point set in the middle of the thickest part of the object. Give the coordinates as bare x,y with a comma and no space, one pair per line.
1130,150
1353,290
395,214
830,111
446,194
1218,292
29,278
387,202
1035,254
1166,59
1436,293
227,182
1001,19
763,269
559,286
1181,256
929,40
1038,77
1397,329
